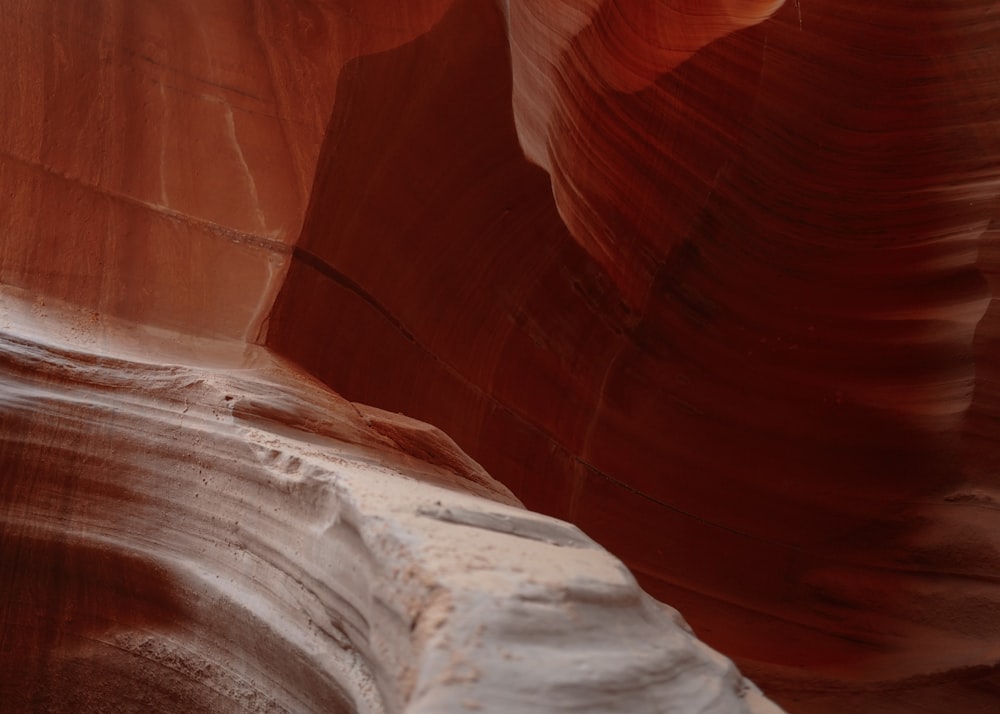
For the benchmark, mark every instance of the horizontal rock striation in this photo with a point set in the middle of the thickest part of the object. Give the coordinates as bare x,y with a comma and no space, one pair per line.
215,531
746,343
173,139
713,281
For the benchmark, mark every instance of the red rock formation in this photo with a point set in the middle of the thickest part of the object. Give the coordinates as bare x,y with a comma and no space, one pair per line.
712,280
755,381
173,140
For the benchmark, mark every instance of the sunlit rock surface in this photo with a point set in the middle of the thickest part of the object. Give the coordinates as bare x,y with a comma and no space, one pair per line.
713,281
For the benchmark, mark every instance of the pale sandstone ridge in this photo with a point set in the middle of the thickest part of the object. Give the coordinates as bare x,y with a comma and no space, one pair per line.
216,531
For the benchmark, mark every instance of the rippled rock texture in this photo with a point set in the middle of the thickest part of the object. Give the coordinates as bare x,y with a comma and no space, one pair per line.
713,280
216,531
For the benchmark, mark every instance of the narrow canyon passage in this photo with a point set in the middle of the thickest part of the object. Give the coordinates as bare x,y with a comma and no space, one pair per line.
747,366
715,284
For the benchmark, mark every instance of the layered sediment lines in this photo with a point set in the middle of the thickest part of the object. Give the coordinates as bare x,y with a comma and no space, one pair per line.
215,531
715,283
749,363
145,144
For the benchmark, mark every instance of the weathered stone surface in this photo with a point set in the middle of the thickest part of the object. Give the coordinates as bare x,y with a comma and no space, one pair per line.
713,281
216,531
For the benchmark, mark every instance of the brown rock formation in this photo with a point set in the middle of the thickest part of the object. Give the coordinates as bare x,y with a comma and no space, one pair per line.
711,280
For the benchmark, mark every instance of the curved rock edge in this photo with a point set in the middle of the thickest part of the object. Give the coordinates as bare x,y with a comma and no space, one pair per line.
293,531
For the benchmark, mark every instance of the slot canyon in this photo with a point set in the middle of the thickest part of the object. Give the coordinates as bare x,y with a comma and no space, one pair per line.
500,356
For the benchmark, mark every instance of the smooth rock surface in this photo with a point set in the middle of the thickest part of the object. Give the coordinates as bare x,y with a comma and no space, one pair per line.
174,138
215,531
748,343
713,281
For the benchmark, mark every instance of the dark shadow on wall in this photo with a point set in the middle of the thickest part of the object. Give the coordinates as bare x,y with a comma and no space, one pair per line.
763,492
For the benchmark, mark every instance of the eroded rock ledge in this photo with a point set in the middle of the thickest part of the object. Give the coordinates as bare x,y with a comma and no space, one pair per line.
216,531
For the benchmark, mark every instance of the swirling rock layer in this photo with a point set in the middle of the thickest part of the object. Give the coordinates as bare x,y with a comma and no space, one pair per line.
215,531
755,363
713,281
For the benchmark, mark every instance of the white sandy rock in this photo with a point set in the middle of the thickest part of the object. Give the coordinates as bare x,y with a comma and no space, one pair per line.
243,539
